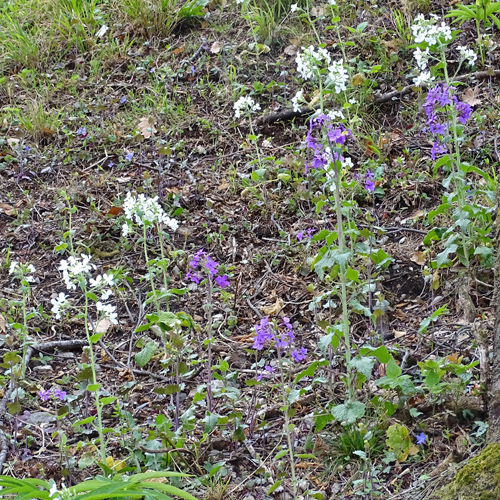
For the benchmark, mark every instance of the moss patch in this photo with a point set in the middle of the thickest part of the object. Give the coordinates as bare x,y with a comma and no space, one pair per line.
478,480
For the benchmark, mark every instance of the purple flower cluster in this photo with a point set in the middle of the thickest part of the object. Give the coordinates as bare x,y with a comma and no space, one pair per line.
202,261
308,233
368,178
323,155
437,99
46,395
266,331
82,131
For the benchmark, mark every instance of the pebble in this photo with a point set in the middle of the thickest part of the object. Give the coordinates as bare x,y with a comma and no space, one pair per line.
43,369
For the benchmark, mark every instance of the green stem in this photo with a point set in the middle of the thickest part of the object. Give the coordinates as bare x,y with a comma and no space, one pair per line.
25,335
162,250
209,334
153,290
98,405
457,163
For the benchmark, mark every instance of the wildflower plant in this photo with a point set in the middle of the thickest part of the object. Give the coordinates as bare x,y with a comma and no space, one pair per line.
280,337
204,269
77,275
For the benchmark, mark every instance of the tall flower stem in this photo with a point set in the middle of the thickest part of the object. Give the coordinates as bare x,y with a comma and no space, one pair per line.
98,405
343,279
153,290
458,163
162,250
209,334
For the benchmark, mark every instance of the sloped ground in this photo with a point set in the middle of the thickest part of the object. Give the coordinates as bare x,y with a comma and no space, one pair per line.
73,114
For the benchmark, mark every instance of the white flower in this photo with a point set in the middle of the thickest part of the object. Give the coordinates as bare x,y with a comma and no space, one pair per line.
352,101
75,269
334,114
338,76
13,266
299,97
422,57
310,62
293,7
467,55
53,491
106,294
57,303
332,2
245,104
21,271
141,209
427,31
347,163
108,311
424,77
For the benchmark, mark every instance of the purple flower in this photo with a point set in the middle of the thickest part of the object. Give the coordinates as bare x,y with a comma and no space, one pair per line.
299,355
464,110
211,265
266,372
300,235
438,148
310,232
193,277
369,185
123,100
44,395
263,332
222,281
421,438
60,394
82,131
129,156
110,164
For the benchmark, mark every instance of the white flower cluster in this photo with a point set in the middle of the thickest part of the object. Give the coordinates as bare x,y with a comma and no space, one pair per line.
21,271
310,61
293,7
334,114
246,105
338,76
102,281
145,210
422,57
467,55
74,270
299,97
58,303
426,30
424,78
108,311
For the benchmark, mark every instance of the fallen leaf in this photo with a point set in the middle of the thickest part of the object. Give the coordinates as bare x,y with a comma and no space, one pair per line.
215,48
291,50
179,50
471,96
146,127
358,79
7,209
2,324
103,325
115,211
419,258
399,333
317,12
275,308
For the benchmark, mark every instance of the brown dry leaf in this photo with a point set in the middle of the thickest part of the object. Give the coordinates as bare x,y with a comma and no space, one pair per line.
275,308
317,12
146,127
358,79
399,314
223,186
115,211
419,258
215,48
179,50
471,96
123,180
3,323
399,333
321,447
103,326
161,480
7,209
454,358
291,50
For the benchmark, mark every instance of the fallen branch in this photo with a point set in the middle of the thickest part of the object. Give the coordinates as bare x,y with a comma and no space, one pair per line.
289,114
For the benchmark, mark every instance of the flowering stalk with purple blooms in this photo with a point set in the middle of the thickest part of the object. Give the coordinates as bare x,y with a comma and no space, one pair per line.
329,155
281,337
203,266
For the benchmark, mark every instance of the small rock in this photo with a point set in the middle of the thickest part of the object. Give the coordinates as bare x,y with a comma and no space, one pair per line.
43,369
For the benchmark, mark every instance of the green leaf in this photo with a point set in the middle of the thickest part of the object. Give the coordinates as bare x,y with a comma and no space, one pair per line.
349,412
363,365
144,356
85,421
107,400
381,353
95,338
281,454
275,486
211,421
169,389
392,370
93,387
322,421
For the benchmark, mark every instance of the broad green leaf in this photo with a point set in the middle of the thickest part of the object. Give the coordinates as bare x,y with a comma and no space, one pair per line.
349,412
144,356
